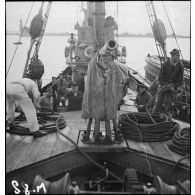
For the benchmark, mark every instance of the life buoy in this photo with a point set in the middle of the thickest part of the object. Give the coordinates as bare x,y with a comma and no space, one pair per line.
66,52
88,52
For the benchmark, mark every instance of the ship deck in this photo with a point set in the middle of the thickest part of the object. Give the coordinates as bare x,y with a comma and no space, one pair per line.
24,150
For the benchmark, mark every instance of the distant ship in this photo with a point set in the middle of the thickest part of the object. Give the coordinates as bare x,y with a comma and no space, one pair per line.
25,31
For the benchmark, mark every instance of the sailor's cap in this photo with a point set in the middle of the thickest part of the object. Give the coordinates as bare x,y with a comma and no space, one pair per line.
174,52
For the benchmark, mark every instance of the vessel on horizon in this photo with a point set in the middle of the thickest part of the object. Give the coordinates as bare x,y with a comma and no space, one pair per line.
24,31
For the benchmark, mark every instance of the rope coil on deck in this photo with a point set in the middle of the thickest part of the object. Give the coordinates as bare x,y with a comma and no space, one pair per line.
181,141
42,118
139,127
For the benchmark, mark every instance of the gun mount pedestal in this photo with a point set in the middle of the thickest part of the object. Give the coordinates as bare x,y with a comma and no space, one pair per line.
98,137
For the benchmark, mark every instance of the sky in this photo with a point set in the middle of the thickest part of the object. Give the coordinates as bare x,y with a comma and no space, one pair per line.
132,16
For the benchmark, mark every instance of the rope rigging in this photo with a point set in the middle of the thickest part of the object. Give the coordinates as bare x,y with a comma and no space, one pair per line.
117,18
37,39
20,38
152,19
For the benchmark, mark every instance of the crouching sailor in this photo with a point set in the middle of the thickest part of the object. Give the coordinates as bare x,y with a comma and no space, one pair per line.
19,92
142,98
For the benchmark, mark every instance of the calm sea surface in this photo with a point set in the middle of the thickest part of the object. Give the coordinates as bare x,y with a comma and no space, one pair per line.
51,53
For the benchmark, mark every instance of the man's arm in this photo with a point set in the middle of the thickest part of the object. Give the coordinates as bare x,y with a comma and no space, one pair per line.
180,76
161,75
36,96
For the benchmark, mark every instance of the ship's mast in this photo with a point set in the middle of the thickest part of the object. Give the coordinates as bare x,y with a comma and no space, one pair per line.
158,29
162,44
98,24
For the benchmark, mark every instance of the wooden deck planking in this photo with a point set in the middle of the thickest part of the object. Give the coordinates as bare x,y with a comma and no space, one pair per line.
32,152
47,147
61,144
17,154
160,151
145,147
20,152
12,142
133,145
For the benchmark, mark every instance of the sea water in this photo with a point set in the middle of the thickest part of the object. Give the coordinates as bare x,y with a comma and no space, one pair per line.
51,53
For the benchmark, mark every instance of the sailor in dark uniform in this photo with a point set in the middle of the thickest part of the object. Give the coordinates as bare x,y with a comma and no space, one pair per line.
142,99
170,76
75,98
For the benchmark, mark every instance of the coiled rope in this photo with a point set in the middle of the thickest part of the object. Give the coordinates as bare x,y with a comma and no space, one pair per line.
42,118
139,127
181,141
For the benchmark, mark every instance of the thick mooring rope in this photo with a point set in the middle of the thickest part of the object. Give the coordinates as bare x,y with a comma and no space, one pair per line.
139,127
42,118
181,141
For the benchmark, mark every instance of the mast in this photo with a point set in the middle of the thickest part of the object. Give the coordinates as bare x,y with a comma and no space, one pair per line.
98,24
158,28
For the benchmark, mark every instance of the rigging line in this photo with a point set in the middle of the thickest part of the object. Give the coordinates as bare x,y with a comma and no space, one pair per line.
172,28
180,53
117,19
43,29
20,38
162,45
173,32
150,19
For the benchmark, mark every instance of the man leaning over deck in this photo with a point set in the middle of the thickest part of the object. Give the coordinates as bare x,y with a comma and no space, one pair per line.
19,92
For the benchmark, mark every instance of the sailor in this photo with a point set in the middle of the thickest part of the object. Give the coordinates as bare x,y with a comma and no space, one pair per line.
72,41
54,89
46,101
142,98
61,90
170,77
75,98
183,102
19,92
